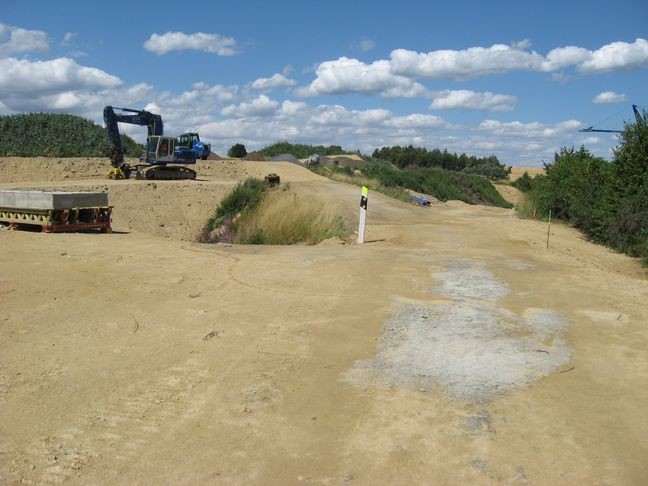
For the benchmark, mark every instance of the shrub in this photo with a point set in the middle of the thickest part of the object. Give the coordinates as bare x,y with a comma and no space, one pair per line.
524,183
237,150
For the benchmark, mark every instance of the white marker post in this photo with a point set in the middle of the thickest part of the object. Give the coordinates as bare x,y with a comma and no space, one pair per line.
363,214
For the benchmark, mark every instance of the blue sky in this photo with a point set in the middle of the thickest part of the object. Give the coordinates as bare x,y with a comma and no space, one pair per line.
515,79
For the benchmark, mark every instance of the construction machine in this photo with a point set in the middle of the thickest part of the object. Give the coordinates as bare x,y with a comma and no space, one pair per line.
192,141
162,154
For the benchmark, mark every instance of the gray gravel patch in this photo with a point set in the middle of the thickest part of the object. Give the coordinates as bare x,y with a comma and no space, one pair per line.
469,347
462,280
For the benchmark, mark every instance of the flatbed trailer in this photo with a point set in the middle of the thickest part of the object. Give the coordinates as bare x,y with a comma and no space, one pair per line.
55,212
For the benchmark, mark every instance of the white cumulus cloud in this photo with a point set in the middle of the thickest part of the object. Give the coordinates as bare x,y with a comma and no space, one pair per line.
14,40
617,56
473,100
179,41
609,97
346,75
562,57
259,106
533,129
499,59
275,81
56,85
418,121
62,74
469,63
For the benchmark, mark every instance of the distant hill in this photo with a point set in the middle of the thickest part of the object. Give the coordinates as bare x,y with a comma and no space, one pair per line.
56,135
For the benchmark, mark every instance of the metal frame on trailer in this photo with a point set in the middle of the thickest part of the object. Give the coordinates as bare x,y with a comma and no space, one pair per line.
59,220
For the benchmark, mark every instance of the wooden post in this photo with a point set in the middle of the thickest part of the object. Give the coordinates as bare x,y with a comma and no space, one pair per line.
549,229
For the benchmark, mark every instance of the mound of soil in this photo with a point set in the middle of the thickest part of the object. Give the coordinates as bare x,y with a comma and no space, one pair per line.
285,158
254,157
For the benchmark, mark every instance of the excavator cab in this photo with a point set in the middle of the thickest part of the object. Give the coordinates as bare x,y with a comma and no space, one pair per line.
160,150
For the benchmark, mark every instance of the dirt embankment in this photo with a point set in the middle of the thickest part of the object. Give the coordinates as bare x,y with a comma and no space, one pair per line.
175,209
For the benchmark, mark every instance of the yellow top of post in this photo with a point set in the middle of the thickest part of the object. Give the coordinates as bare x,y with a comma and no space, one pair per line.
365,191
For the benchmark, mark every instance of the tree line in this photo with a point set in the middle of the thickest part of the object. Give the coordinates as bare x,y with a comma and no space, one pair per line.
56,135
410,157
300,150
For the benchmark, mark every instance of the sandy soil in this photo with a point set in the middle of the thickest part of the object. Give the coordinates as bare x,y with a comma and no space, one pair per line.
519,172
510,193
140,357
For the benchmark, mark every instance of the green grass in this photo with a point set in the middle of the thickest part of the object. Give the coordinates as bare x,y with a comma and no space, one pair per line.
351,176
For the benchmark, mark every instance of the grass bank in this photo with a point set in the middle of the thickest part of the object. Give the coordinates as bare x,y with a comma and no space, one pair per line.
286,218
442,184
253,214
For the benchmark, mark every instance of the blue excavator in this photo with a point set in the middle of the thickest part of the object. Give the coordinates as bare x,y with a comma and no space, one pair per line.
163,157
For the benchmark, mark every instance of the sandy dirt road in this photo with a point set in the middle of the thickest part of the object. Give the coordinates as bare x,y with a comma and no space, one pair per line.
141,357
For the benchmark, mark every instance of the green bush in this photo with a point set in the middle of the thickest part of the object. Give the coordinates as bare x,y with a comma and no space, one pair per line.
237,150
524,183
244,197
57,135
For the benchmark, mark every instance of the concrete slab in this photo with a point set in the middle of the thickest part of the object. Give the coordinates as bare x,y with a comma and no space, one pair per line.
51,200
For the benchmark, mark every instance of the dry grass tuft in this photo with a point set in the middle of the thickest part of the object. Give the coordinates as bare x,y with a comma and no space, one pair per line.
285,218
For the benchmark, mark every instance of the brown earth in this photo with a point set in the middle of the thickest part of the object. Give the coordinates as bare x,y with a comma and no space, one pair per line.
140,357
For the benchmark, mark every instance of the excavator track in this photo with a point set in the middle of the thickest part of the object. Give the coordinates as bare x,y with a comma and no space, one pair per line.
169,173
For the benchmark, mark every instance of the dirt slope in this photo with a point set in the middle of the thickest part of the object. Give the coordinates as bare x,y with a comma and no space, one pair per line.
452,348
